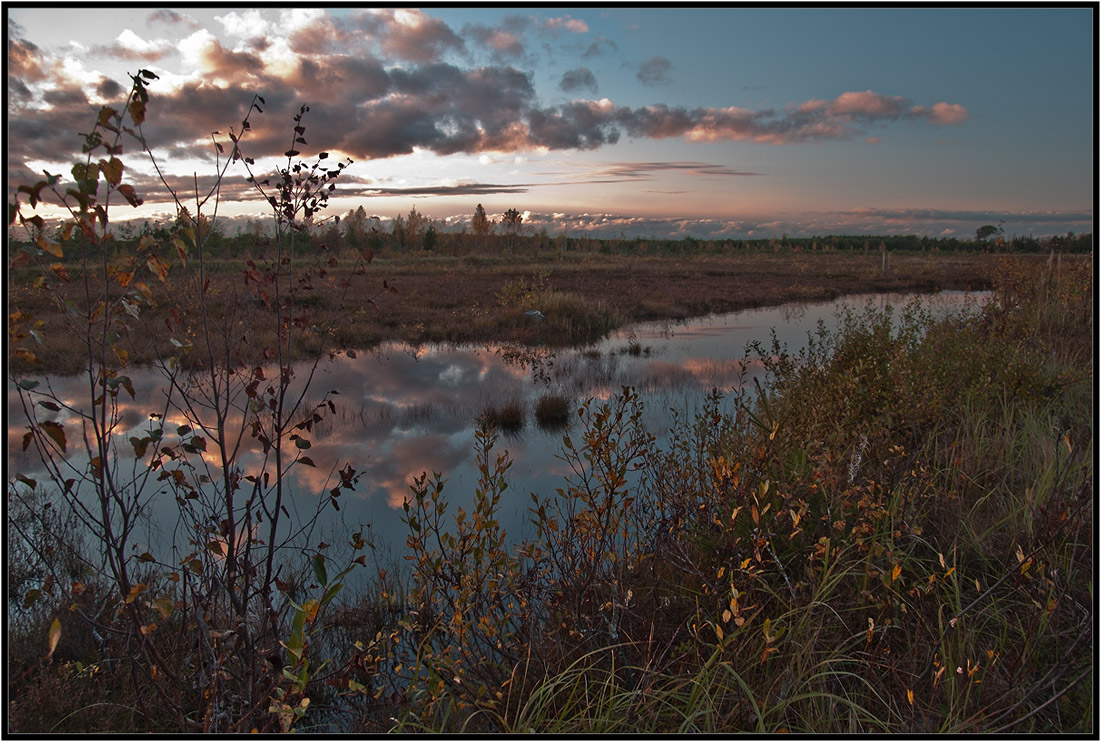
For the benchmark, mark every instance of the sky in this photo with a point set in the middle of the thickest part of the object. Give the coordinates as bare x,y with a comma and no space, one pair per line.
711,122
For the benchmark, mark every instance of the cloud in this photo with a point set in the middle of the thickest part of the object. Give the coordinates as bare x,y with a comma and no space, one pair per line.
377,87
460,189
503,45
580,78
567,23
948,113
940,113
600,47
171,18
643,169
130,46
417,37
25,63
867,104
654,72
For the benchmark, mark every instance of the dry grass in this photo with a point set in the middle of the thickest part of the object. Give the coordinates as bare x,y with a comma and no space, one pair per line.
456,298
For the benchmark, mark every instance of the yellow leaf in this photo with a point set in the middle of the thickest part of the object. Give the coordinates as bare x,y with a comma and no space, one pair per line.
718,632
909,694
181,249
896,573
112,170
55,636
147,629
726,615
158,267
49,245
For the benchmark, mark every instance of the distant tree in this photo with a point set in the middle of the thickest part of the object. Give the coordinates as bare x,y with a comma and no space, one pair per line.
511,222
430,238
356,227
414,228
399,232
481,227
330,235
987,231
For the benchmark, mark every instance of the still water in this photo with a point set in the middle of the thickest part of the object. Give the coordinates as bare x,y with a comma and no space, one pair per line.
403,410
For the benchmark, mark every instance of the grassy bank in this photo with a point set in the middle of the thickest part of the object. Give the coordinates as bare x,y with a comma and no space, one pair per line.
475,299
894,535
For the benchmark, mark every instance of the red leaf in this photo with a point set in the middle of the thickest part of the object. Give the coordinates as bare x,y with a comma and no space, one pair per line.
130,195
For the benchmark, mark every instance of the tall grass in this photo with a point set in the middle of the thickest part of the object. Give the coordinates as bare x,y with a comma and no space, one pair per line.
892,535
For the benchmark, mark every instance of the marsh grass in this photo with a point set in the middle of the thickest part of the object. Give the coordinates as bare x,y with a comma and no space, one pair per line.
509,418
552,411
894,534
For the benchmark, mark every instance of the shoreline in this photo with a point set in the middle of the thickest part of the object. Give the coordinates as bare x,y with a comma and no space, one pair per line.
465,300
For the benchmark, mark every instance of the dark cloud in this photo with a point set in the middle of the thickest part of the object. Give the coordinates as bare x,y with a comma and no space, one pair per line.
366,109
504,46
578,125
445,109
416,37
462,189
580,78
643,169
654,72
343,78
600,47
171,18
229,64
25,61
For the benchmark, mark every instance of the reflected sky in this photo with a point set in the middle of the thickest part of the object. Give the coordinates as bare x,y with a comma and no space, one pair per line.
401,411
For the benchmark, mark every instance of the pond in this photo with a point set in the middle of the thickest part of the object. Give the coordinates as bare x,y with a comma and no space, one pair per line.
402,410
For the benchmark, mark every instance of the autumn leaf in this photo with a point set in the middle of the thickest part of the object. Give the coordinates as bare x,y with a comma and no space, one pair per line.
48,245
61,272
137,112
130,195
55,636
158,267
112,170
56,432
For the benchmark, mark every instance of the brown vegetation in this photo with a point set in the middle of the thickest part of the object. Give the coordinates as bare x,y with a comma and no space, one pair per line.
582,295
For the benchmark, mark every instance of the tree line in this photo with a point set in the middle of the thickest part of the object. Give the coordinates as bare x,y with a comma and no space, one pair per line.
415,232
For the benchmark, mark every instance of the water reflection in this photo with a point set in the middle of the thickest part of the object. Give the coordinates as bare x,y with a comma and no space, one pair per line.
401,410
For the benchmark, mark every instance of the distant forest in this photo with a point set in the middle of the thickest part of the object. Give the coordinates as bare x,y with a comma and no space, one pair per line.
416,233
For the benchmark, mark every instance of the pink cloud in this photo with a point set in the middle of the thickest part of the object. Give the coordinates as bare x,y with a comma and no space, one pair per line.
867,103
948,113
566,22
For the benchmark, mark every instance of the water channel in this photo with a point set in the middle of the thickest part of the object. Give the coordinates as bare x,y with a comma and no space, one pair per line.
403,410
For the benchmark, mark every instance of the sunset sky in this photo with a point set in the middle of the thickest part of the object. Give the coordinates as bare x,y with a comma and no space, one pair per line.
711,122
